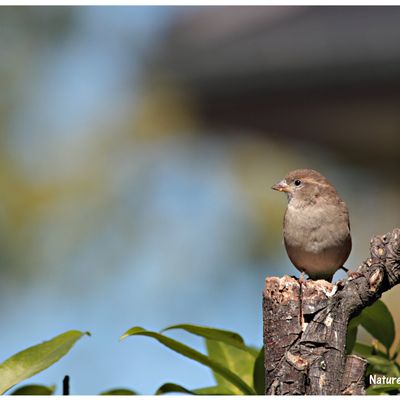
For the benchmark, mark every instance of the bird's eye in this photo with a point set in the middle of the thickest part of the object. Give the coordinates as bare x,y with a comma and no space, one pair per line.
297,182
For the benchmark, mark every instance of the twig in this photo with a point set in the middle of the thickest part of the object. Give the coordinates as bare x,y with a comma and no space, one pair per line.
305,331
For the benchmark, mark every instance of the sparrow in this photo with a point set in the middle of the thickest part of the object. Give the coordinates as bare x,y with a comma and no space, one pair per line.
316,226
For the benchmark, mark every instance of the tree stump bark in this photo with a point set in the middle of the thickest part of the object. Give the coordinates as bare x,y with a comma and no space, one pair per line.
305,325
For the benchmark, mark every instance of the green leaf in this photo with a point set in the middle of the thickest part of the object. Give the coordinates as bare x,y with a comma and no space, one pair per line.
213,390
119,392
351,339
236,360
383,389
351,336
378,321
378,360
363,350
379,364
34,390
373,391
175,388
255,351
172,388
220,335
259,373
35,359
193,354
396,351
394,370
354,322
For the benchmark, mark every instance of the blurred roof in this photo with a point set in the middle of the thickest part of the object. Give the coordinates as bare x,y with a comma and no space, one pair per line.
321,73
283,46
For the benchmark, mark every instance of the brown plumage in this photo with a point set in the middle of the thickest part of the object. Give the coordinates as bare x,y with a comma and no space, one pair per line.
316,226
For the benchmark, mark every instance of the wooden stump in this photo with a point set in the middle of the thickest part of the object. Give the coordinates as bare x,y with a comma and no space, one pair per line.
305,325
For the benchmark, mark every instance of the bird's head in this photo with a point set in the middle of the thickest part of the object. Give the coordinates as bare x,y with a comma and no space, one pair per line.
304,185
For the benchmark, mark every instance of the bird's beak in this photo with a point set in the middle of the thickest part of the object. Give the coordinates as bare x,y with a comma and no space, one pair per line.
281,186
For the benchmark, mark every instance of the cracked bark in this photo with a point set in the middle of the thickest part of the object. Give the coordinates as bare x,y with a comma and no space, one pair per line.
305,325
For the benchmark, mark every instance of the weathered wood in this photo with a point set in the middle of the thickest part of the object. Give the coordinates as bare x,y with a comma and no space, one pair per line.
354,376
305,325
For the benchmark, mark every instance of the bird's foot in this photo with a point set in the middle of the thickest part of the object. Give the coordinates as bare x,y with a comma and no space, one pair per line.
302,280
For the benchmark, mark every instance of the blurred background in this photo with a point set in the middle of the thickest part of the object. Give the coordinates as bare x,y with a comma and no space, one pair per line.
138,146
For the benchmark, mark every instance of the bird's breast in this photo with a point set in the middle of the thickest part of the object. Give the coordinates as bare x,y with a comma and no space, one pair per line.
317,239
314,228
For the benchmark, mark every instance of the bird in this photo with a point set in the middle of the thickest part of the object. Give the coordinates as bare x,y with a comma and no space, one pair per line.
316,225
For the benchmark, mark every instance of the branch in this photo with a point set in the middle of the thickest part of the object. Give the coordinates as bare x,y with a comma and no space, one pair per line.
305,325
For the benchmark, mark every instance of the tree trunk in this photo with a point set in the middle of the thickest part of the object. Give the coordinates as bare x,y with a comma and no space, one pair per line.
305,325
